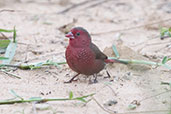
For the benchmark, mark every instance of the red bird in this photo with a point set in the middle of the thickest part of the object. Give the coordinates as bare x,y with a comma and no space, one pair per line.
83,56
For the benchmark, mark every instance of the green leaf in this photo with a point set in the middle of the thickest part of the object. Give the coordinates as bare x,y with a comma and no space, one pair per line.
33,67
3,58
164,60
5,30
170,84
61,63
36,65
161,31
132,106
14,35
81,99
115,51
170,29
14,93
169,59
70,95
165,32
4,43
49,62
35,98
10,52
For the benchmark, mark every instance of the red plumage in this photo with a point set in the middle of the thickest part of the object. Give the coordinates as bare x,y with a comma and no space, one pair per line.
82,55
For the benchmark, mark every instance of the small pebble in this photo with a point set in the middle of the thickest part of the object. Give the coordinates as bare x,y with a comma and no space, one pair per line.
111,102
42,106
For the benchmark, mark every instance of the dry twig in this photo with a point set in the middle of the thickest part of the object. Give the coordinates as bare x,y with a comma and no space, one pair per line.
7,10
76,5
132,28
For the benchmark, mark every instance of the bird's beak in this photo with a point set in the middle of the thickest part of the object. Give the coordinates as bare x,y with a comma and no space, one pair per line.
69,35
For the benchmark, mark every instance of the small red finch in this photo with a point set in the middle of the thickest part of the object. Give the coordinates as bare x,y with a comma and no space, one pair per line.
83,56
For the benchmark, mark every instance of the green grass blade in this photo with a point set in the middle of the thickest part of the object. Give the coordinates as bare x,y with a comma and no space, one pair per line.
14,35
11,74
39,99
82,100
165,32
10,52
164,60
5,30
170,29
169,59
70,95
141,62
14,93
4,43
3,58
132,106
115,51
35,98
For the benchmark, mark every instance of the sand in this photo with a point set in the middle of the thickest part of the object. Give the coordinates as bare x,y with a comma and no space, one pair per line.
40,26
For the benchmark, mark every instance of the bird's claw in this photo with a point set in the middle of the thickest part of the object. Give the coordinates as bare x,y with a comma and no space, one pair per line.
93,81
70,81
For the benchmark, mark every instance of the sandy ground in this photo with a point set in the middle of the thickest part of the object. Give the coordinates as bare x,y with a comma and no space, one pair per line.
40,39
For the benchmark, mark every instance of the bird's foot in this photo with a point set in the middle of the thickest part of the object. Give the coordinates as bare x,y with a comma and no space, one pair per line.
94,80
108,75
72,79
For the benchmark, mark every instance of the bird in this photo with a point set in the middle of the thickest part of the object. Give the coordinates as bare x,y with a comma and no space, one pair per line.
82,55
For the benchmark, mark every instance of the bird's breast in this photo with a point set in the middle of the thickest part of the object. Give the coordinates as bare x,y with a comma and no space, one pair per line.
79,58
85,56
82,60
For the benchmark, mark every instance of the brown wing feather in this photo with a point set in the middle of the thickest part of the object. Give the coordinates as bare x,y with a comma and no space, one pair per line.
98,53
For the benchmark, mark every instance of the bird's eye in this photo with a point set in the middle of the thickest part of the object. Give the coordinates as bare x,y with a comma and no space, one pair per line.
77,33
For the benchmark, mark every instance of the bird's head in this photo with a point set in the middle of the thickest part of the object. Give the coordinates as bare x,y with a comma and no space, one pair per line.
79,37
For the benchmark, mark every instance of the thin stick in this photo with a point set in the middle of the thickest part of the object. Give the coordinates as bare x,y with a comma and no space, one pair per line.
3,35
165,83
138,112
103,107
97,4
8,10
75,6
132,28
154,95
115,94
43,100
10,74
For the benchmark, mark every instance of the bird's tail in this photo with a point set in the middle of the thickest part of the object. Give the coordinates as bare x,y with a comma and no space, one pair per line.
115,61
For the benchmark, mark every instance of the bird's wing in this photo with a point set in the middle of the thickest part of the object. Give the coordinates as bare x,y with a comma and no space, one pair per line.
98,53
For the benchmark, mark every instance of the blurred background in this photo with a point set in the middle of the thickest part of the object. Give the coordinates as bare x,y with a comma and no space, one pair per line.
138,28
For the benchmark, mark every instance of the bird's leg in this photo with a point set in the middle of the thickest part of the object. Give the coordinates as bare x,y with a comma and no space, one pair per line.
95,79
108,75
72,79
